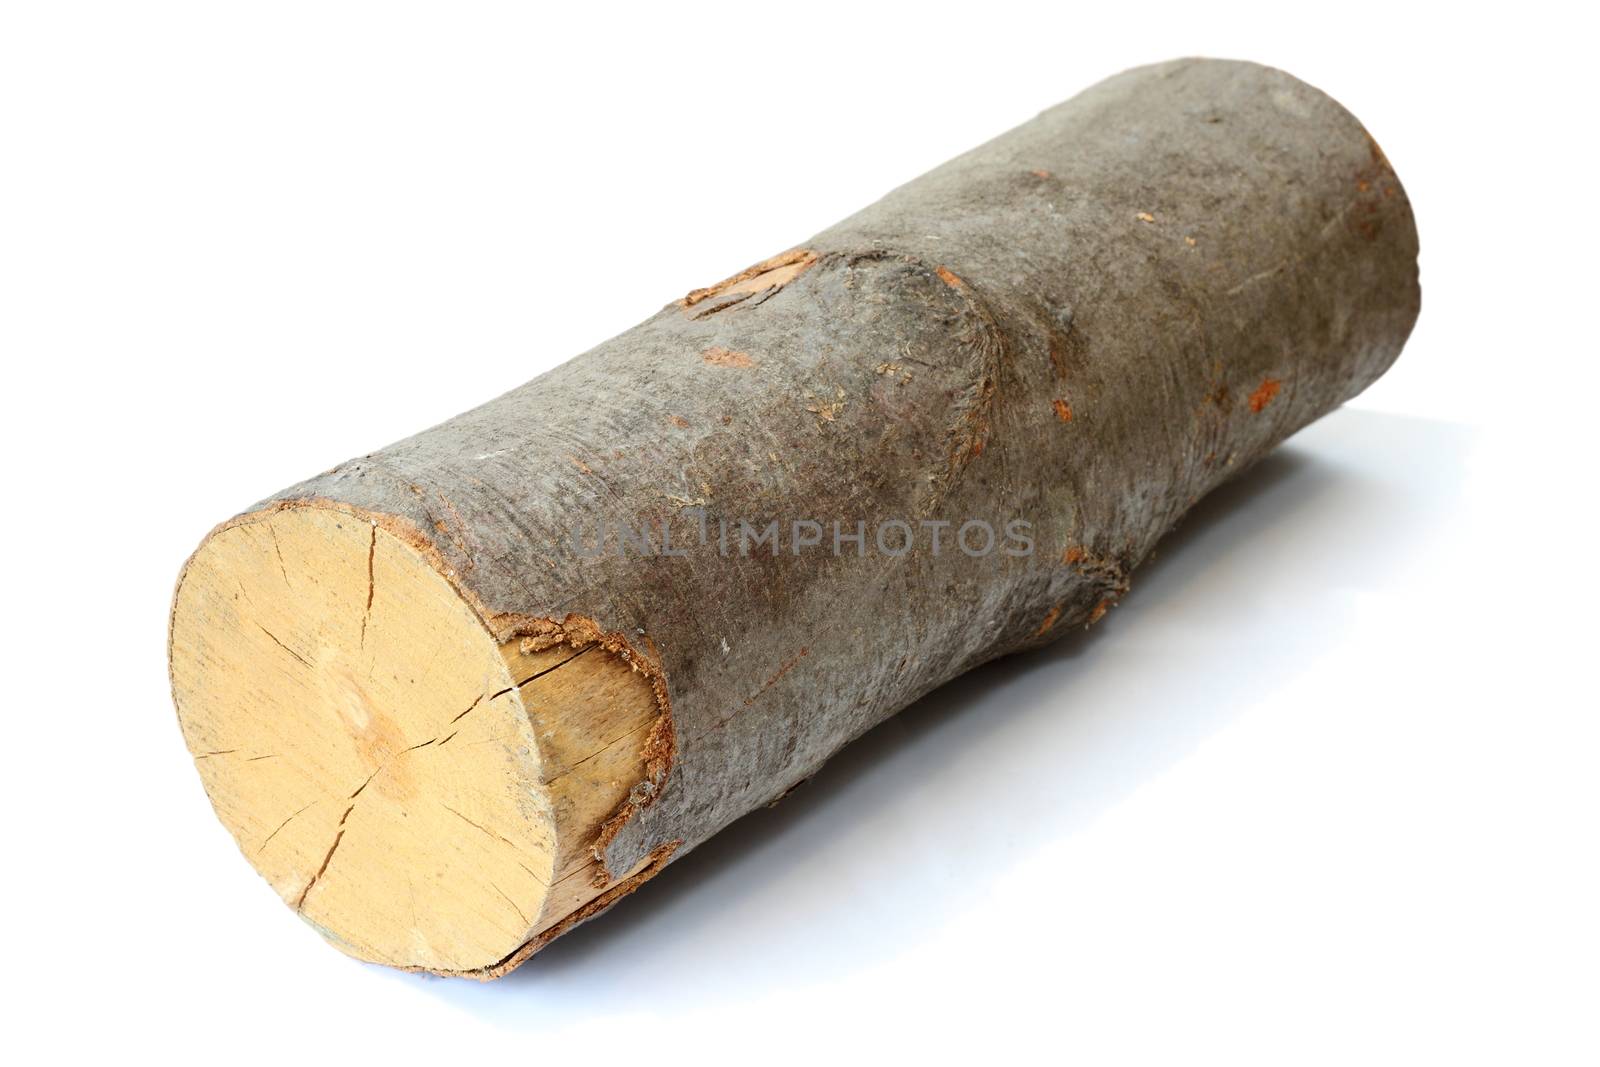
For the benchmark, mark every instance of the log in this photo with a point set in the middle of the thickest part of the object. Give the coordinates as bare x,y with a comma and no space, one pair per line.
456,696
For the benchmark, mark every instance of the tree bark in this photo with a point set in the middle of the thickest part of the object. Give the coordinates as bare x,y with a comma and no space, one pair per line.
1069,334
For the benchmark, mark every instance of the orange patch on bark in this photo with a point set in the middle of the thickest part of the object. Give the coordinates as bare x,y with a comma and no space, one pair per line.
1058,359
718,356
1063,410
1049,621
1099,611
950,277
679,421
1264,393
1074,554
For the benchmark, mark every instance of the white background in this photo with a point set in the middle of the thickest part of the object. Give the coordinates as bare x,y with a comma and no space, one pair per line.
1322,790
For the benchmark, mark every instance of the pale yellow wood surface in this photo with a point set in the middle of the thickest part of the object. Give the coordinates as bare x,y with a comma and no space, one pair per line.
411,786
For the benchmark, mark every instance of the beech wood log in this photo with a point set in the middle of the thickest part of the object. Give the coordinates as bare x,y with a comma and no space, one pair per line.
445,732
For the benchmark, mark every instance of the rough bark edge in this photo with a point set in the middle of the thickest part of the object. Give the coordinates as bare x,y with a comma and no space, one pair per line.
648,868
660,745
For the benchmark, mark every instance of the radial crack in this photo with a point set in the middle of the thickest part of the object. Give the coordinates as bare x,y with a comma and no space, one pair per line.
372,554
284,823
508,900
283,646
474,704
540,674
485,830
301,903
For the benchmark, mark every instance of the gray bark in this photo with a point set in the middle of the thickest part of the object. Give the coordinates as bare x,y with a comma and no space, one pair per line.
1192,260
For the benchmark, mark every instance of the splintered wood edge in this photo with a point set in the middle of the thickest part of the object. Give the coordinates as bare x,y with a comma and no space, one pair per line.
429,789
773,273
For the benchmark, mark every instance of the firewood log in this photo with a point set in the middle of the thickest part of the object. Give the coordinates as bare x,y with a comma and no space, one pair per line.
458,695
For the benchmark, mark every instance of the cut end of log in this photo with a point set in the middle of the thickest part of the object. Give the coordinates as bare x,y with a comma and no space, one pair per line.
425,795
